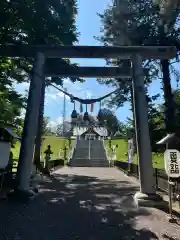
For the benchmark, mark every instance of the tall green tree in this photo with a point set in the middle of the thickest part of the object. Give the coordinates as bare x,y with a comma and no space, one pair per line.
33,22
108,119
137,23
169,10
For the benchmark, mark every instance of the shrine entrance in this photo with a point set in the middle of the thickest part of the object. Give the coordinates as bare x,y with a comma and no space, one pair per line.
46,64
90,136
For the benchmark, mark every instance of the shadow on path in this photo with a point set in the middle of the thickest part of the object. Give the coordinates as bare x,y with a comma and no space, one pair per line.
75,207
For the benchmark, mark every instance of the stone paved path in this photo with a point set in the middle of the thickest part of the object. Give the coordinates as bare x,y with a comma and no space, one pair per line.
85,204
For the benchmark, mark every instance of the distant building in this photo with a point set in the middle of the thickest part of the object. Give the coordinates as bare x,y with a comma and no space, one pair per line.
92,133
87,129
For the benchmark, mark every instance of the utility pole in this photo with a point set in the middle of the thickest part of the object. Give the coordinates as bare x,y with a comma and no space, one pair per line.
64,111
89,147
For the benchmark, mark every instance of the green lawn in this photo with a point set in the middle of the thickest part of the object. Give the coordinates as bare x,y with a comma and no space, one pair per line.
121,153
56,143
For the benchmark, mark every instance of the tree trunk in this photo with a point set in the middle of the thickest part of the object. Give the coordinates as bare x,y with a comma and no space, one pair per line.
132,106
37,153
133,121
168,97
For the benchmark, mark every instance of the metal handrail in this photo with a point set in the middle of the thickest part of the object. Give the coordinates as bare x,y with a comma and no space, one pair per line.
72,150
110,156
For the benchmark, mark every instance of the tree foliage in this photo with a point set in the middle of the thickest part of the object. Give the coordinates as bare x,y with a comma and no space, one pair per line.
128,23
63,128
33,22
134,23
108,119
138,23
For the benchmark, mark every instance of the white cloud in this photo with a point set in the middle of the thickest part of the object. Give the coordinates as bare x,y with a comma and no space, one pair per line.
57,121
23,112
52,94
22,87
52,124
60,94
54,99
66,82
74,89
87,94
25,84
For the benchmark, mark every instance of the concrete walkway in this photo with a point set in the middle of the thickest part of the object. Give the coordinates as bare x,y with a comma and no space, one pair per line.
85,204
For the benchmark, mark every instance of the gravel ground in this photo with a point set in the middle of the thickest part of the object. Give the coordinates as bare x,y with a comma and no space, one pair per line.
87,204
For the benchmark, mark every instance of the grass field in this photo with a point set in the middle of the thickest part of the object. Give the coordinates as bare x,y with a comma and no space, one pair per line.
56,143
121,153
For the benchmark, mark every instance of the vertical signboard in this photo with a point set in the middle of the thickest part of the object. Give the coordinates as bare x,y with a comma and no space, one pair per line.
172,163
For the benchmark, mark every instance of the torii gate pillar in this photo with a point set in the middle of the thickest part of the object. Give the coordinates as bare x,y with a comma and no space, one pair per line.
30,125
147,194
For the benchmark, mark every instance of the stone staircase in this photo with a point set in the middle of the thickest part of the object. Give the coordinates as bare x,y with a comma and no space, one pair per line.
98,154
81,154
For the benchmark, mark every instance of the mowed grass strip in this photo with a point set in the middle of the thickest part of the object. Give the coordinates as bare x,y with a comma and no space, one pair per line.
57,146
121,153
56,143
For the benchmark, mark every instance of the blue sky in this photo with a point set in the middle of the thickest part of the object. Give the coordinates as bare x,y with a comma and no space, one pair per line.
88,24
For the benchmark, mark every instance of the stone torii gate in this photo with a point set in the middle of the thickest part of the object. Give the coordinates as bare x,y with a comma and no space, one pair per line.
44,55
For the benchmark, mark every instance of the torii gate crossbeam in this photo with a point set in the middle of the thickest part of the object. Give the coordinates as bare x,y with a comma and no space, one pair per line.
57,51
136,55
